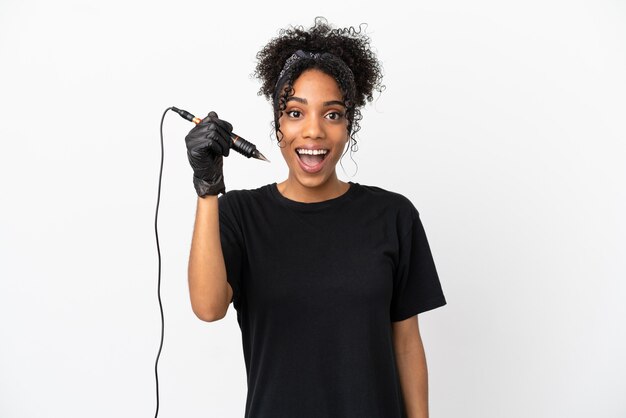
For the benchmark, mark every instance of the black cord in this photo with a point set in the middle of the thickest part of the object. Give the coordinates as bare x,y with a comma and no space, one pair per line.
156,233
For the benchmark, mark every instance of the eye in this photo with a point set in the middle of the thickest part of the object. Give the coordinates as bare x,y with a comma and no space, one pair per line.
293,113
335,115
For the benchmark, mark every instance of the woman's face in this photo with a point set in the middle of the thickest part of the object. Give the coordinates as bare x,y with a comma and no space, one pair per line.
314,120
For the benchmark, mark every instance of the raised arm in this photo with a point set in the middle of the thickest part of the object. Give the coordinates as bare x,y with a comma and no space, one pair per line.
209,291
207,144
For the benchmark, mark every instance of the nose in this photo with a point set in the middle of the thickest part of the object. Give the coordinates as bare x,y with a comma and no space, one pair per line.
312,128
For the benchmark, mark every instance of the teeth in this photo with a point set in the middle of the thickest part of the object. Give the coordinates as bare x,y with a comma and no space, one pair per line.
311,151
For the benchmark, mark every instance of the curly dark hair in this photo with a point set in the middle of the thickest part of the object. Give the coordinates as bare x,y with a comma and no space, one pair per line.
349,44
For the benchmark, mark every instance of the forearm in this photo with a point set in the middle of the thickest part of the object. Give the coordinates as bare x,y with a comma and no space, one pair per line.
208,287
413,373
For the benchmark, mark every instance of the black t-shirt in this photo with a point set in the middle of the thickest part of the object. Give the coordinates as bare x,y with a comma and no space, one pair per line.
316,287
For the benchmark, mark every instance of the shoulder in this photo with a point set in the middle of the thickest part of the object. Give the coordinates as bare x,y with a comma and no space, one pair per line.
388,200
236,200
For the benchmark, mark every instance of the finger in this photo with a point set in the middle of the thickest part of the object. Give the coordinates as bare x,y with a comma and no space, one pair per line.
221,132
225,133
211,117
225,145
206,120
195,140
215,147
224,142
221,123
224,125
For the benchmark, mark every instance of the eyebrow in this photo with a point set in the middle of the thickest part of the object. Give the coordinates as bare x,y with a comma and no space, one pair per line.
328,103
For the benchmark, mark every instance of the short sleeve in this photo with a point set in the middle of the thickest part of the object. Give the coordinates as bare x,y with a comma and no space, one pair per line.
231,239
416,287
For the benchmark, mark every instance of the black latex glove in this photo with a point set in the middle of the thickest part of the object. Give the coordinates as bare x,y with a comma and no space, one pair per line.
207,143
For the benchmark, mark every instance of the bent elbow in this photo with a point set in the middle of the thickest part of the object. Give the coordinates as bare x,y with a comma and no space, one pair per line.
209,316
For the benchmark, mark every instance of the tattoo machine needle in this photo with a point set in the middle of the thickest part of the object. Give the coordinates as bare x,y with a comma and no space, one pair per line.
243,147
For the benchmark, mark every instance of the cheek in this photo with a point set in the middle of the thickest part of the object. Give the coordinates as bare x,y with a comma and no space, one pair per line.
283,127
285,150
285,136
287,127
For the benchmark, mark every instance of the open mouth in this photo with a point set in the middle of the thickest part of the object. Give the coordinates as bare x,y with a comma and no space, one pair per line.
312,158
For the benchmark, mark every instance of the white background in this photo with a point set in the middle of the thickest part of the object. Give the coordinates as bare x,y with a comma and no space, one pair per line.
503,122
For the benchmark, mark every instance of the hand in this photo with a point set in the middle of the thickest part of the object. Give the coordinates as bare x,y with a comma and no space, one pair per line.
207,144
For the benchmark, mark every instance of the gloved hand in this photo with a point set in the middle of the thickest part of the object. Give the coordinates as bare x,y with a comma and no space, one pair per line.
207,144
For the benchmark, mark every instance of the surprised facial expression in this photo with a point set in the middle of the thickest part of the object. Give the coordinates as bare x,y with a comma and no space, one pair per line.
314,128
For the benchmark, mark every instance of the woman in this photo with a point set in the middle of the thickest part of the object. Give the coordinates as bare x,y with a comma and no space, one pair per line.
327,277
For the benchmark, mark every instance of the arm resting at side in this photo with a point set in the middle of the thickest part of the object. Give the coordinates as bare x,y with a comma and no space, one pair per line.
411,364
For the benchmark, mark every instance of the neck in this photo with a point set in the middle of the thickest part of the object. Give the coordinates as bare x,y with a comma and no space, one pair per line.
295,190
